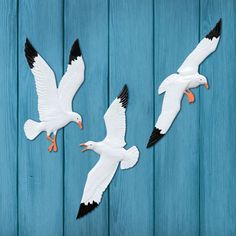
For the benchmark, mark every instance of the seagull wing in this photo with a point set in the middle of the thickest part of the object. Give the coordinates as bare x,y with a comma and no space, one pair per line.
170,109
72,79
115,120
97,181
45,83
202,51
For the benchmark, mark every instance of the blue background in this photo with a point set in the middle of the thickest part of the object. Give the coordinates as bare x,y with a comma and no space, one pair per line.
186,185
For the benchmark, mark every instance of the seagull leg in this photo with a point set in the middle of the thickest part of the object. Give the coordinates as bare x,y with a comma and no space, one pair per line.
53,145
49,138
190,96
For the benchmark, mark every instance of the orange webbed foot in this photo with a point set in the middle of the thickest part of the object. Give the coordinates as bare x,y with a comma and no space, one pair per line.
190,96
53,145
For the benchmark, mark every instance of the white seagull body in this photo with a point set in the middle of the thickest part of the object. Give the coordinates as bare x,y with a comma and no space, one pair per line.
112,153
54,104
180,83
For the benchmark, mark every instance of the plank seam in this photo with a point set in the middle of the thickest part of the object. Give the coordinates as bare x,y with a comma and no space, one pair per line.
108,99
17,113
199,129
154,111
63,130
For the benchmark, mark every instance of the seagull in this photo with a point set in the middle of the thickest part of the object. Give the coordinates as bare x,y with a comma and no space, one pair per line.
54,104
111,151
180,83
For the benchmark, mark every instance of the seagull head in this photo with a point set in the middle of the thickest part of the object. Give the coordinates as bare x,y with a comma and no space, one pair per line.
90,145
77,119
201,80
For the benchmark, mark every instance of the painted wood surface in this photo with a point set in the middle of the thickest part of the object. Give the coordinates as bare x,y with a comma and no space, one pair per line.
88,21
185,185
131,63
177,154
218,130
40,180
8,118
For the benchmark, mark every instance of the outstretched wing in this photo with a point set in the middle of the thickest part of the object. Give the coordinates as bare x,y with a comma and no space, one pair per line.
170,109
115,120
45,83
97,181
72,79
202,51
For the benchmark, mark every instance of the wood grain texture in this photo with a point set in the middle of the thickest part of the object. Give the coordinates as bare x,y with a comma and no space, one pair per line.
88,21
186,185
218,129
8,118
177,154
40,173
131,63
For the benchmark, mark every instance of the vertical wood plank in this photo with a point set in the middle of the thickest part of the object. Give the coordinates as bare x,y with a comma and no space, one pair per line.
131,63
88,21
40,172
8,117
218,129
177,154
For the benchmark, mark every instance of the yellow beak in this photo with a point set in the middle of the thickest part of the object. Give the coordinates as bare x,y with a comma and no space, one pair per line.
80,124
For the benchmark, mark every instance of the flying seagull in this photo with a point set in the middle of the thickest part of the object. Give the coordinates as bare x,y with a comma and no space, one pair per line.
111,151
54,104
186,78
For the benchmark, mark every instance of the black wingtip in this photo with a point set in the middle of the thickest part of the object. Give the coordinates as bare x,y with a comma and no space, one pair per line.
75,51
216,31
30,53
85,209
155,137
124,96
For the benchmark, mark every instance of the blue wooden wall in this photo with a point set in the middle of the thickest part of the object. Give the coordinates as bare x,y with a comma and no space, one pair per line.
184,186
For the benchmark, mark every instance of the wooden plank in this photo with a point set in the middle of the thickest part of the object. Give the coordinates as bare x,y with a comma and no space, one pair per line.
218,115
177,154
131,63
88,21
8,118
40,172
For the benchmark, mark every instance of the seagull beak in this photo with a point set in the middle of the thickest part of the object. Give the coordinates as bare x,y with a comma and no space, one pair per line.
206,85
84,145
80,124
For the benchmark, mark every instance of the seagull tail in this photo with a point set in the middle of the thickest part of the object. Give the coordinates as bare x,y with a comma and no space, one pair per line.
32,129
130,159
